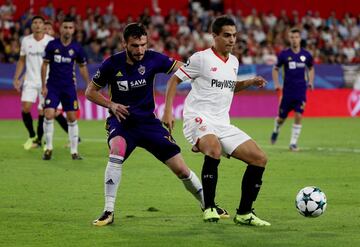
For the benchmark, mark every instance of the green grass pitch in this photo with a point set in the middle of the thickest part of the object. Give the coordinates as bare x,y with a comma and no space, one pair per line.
52,203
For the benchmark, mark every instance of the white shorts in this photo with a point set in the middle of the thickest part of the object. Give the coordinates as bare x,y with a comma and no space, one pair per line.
30,92
230,137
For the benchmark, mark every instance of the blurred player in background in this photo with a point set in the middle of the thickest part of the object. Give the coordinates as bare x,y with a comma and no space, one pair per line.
60,87
32,49
297,63
49,29
59,112
132,122
213,73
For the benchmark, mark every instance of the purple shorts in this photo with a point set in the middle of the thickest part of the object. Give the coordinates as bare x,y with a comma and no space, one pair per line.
147,133
289,104
67,96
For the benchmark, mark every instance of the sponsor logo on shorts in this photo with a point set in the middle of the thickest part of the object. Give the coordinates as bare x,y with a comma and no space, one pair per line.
203,128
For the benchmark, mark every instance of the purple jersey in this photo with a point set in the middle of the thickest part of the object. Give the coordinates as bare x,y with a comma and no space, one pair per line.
62,62
294,72
133,85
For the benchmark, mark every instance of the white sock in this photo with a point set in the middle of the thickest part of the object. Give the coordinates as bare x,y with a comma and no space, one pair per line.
295,133
112,180
194,186
73,136
49,133
276,126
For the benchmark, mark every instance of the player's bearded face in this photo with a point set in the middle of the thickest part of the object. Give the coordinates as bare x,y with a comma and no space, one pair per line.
67,29
136,47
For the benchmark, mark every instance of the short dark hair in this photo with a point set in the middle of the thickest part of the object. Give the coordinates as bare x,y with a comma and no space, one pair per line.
37,17
48,22
295,30
221,21
135,30
68,19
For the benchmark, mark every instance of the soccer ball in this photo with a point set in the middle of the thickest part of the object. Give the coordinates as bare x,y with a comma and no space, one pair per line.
311,202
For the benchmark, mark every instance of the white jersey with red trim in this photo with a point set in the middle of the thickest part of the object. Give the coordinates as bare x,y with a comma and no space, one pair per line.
213,82
33,50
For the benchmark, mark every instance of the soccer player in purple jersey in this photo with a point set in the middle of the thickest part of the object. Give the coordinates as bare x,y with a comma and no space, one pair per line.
61,55
129,76
297,64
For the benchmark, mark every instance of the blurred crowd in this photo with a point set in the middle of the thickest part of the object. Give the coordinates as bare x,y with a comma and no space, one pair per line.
331,40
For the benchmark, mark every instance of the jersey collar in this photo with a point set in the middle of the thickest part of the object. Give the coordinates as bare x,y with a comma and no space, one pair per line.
217,54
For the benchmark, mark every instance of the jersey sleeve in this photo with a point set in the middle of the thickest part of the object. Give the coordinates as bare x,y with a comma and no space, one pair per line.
309,61
103,74
81,56
191,69
166,64
23,48
49,52
280,61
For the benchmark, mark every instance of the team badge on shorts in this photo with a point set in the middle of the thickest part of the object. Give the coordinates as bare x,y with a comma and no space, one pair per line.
47,102
141,70
76,105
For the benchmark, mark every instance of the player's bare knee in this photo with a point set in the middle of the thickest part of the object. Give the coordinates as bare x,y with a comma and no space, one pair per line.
213,152
261,159
118,146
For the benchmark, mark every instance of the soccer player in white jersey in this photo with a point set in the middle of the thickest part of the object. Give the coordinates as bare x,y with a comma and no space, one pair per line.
31,52
213,73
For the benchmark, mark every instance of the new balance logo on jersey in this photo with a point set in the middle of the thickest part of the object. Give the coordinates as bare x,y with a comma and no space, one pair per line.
223,84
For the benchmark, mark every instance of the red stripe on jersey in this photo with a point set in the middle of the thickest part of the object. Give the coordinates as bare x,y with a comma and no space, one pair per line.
185,73
217,54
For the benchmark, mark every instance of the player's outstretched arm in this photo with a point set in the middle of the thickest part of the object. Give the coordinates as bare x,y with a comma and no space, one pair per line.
257,81
93,94
168,119
18,71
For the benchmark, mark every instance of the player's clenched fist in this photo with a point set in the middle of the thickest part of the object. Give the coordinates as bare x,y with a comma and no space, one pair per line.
259,81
